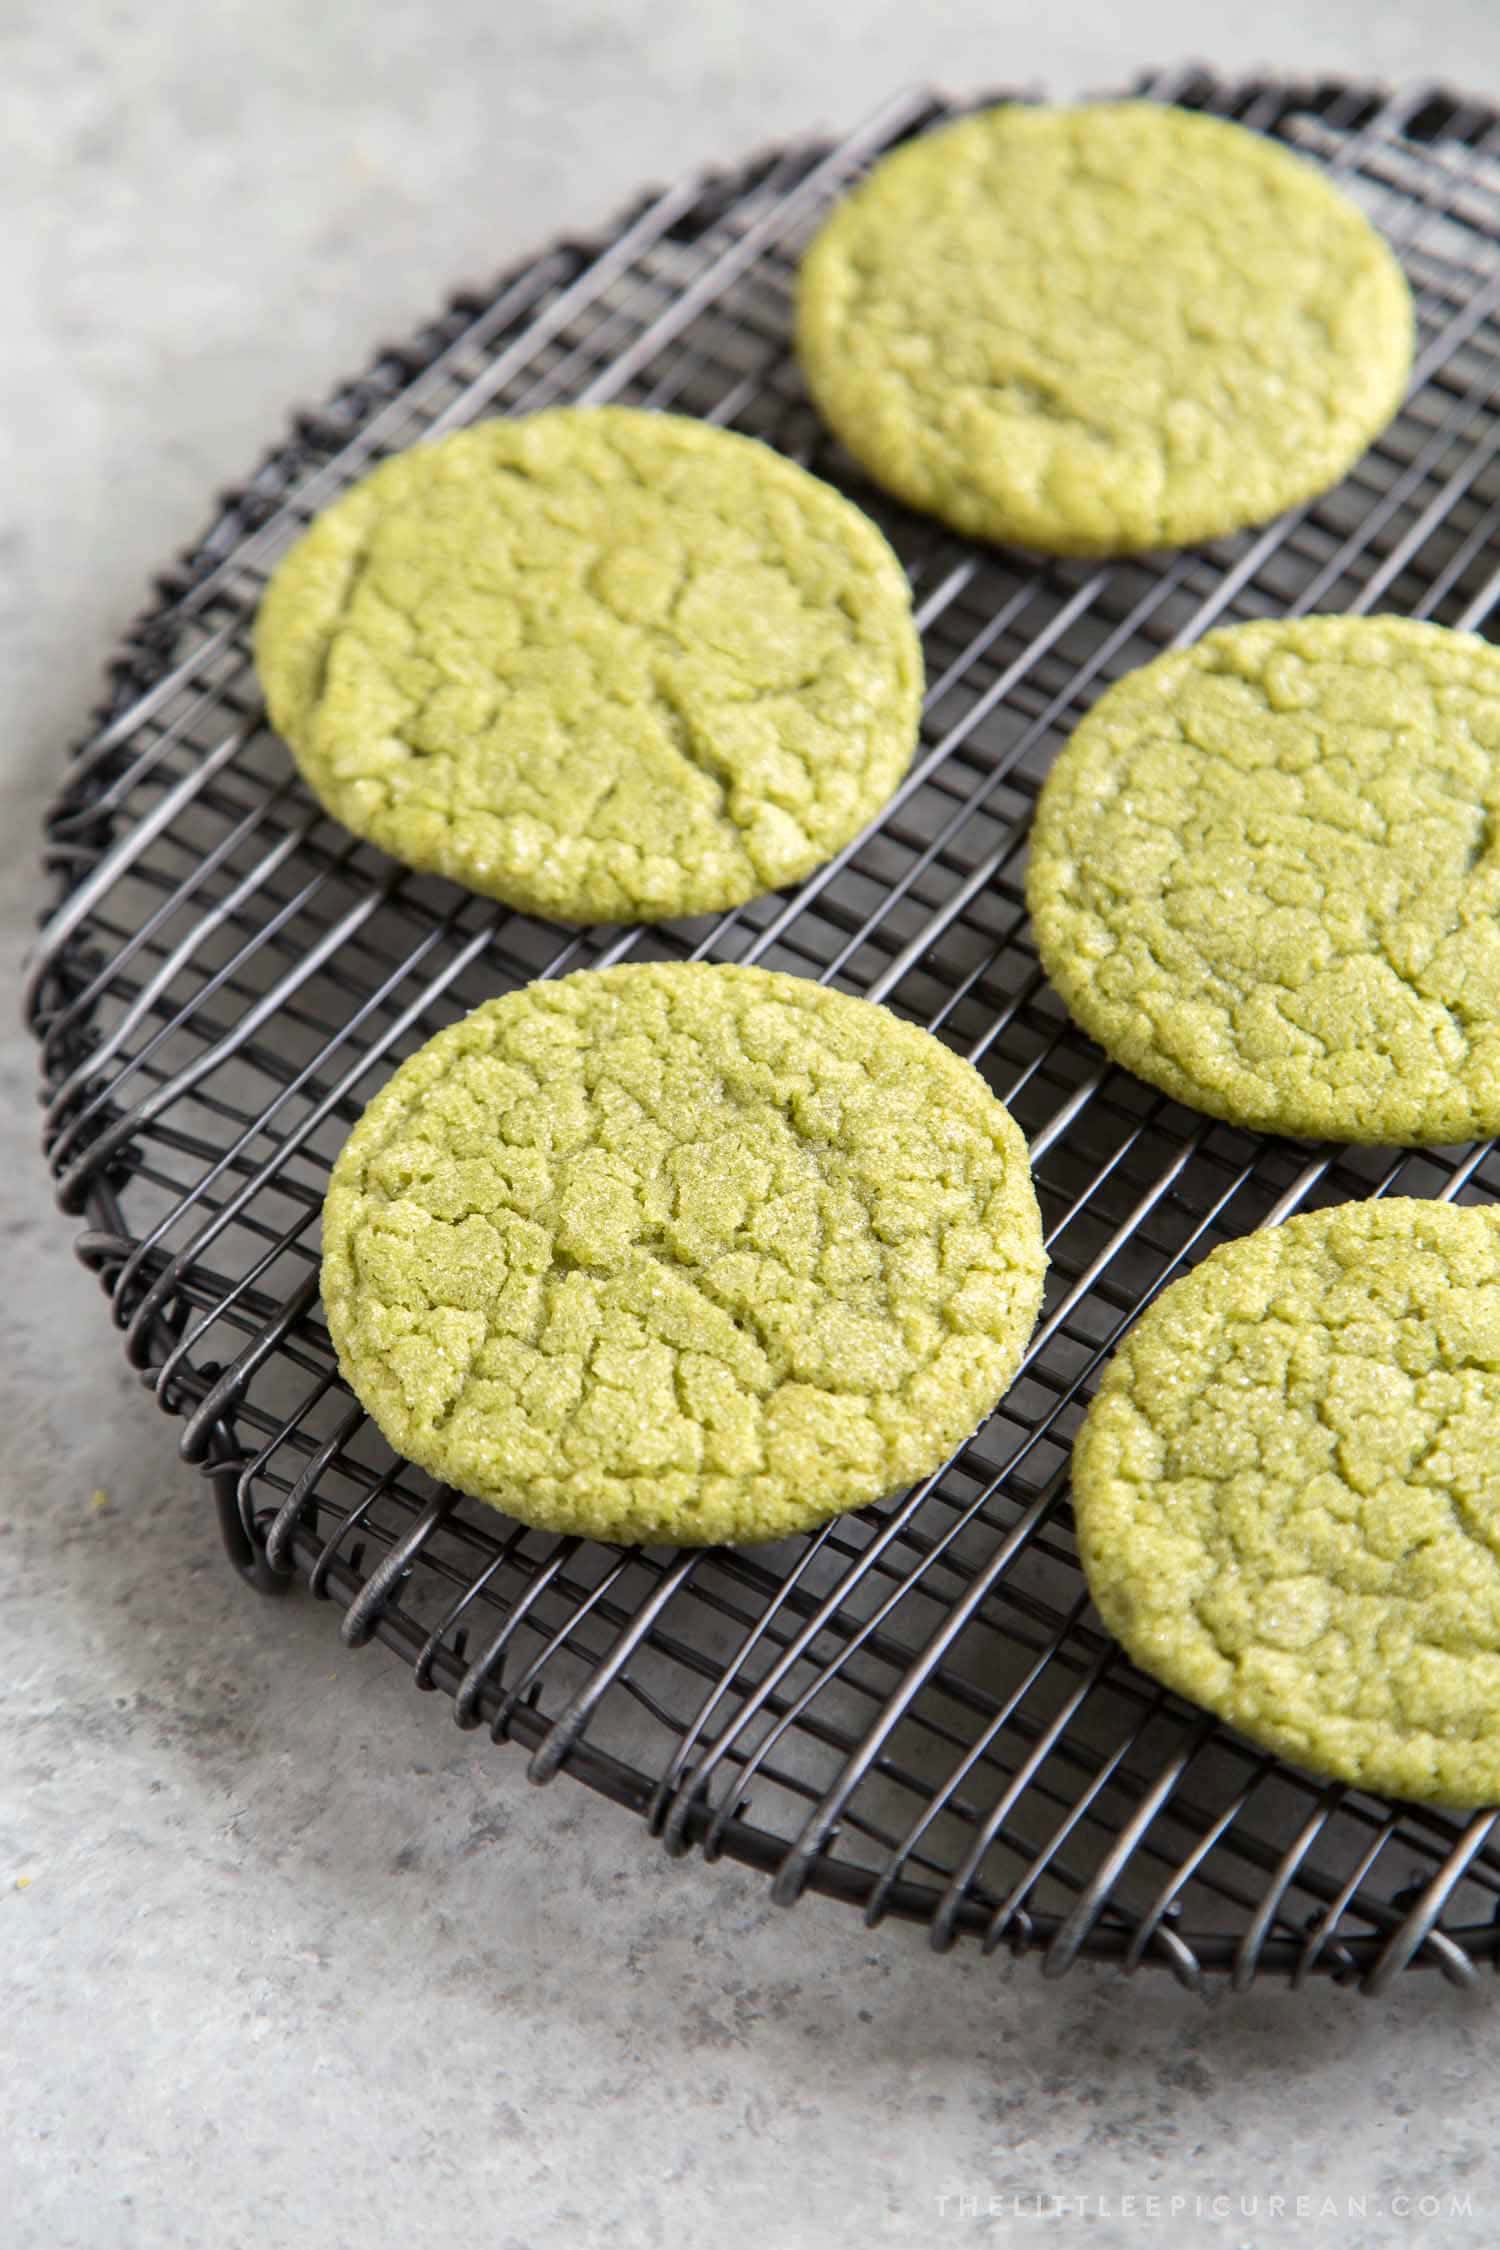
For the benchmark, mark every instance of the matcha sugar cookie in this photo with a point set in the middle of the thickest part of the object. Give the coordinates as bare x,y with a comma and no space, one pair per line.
1265,875
1288,1494
681,1253
1103,329
600,664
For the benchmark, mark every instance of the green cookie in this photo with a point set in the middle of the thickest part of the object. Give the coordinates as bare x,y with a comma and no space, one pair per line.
1288,1494
684,1253
603,665
1265,875
1104,329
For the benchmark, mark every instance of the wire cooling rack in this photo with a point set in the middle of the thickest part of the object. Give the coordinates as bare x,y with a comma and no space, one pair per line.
913,1708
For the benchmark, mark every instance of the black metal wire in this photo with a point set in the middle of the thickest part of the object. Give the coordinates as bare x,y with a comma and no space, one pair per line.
912,1708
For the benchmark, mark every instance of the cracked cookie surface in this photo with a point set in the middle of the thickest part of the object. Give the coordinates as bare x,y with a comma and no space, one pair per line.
1100,330
1265,875
1288,1494
681,1253
598,663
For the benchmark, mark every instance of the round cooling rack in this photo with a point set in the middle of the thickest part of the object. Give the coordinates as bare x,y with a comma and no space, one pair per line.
913,1708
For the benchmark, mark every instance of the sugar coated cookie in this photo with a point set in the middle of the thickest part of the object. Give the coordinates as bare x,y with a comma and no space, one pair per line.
1102,329
600,664
1288,1494
681,1253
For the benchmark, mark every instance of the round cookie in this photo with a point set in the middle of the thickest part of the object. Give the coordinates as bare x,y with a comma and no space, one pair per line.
681,1253
1288,1494
1265,875
600,664
1099,330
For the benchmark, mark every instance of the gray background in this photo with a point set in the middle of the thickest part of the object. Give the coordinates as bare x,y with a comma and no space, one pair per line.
287,1958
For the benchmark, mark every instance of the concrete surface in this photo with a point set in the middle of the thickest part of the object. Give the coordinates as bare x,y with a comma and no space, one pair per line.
286,1958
